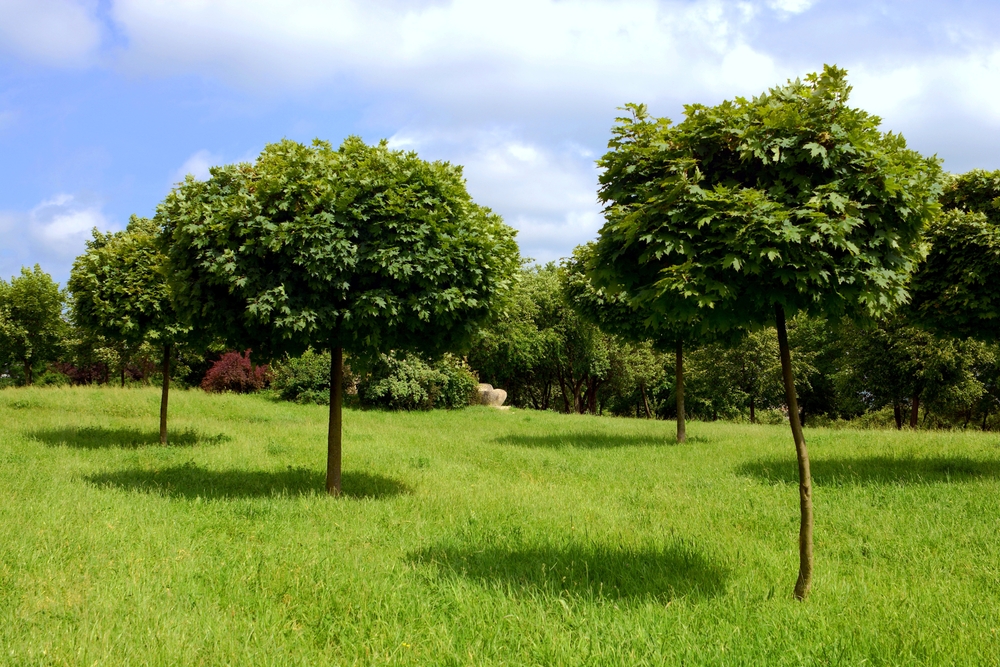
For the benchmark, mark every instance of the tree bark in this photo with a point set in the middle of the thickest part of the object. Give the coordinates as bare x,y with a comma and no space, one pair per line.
164,394
804,581
986,413
645,400
27,372
915,410
753,413
897,412
334,440
679,371
123,375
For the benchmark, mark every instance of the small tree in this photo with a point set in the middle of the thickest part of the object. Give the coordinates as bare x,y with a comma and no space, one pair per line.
753,209
363,249
31,323
120,292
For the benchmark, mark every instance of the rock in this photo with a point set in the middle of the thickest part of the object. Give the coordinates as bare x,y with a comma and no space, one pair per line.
490,396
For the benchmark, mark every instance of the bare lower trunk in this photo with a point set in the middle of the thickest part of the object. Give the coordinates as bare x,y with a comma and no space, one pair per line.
679,369
753,412
123,376
645,400
915,410
804,581
27,372
164,394
333,439
897,412
986,413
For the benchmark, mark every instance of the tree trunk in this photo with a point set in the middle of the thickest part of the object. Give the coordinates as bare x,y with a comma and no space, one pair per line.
577,400
645,400
753,413
986,413
565,394
897,412
164,394
804,581
107,373
915,410
123,375
679,370
333,438
593,385
27,372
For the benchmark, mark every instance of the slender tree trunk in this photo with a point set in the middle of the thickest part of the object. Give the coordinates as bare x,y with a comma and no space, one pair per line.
565,394
107,373
123,375
165,394
333,438
968,417
645,400
897,412
804,581
753,413
679,370
577,401
593,385
986,413
27,372
915,410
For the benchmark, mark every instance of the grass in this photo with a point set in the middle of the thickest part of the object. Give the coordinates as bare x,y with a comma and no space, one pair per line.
480,537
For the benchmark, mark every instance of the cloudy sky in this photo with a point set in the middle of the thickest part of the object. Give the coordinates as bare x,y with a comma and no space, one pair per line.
104,104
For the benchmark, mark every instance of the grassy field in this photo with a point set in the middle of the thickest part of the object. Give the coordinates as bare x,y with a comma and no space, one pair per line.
480,537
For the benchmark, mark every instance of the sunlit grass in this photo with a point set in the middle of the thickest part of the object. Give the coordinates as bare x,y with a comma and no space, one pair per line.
480,537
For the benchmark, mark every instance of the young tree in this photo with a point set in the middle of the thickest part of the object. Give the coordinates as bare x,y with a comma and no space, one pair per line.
364,249
753,210
120,292
31,322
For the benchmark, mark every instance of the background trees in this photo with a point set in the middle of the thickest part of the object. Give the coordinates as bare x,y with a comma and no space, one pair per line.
32,328
362,248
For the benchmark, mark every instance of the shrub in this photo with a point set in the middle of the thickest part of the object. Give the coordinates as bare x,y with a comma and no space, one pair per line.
406,382
305,379
52,378
234,372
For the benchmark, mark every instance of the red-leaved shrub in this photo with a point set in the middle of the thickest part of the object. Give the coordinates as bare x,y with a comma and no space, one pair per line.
234,372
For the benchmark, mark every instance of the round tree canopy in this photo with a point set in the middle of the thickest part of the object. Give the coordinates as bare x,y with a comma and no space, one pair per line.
364,248
792,198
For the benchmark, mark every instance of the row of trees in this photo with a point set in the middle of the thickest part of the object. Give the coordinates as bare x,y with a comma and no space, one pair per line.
780,211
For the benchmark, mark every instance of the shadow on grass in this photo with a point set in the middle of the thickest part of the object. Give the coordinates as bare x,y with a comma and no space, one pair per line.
612,573
189,481
590,440
95,437
872,470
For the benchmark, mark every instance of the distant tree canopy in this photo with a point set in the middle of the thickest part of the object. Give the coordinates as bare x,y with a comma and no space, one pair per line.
362,248
31,320
789,202
956,292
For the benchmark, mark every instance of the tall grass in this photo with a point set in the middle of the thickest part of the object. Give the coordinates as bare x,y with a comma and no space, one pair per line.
480,537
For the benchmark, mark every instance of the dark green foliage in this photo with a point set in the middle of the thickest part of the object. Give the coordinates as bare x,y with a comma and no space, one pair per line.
32,329
363,247
955,292
790,198
406,382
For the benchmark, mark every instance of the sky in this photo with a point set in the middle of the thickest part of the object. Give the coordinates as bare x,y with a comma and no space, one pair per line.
105,104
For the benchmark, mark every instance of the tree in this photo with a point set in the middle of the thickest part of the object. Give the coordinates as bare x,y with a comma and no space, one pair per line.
364,249
120,292
753,210
956,291
31,322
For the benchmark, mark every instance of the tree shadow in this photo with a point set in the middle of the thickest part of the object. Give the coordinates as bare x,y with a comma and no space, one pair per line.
586,572
589,440
96,437
874,470
190,481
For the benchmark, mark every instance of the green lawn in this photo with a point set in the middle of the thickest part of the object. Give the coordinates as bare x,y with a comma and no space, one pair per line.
480,537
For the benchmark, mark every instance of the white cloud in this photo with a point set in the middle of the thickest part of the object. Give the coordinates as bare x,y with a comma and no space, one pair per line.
52,32
791,6
197,165
52,234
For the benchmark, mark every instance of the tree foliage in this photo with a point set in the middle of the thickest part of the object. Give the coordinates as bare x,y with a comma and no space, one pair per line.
32,328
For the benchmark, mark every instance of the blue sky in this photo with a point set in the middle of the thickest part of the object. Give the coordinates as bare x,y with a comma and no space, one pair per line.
105,103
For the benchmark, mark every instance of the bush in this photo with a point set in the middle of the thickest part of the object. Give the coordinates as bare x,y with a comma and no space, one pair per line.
305,379
52,378
234,372
406,382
